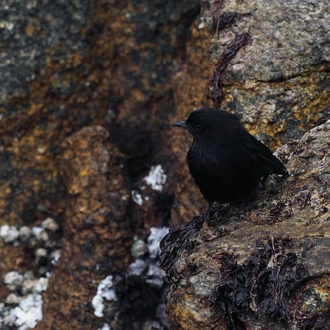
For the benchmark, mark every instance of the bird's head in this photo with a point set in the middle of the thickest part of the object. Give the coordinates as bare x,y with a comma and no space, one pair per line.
209,122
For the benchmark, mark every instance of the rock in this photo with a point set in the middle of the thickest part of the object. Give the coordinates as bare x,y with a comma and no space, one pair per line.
277,84
156,235
50,224
31,286
288,49
134,68
28,275
43,236
113,68
262,263
13,280
12,299
40,234
24,233
97,236
55,256
41,252
9,233
136,71
139,249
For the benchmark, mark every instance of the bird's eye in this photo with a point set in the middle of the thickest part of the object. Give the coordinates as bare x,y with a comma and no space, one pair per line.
198,127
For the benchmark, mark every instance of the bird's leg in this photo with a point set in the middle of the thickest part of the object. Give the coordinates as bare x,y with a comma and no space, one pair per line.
263,182
206,215
206,212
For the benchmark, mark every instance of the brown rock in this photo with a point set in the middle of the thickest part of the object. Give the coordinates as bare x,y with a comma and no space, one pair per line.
97,237
113,69
264,263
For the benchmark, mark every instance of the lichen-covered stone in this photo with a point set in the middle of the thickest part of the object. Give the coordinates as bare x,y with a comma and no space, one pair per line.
97,236
134,68
110,64
278,84
280,80
260,264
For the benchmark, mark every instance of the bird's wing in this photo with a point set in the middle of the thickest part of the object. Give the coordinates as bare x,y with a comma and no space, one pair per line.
273,164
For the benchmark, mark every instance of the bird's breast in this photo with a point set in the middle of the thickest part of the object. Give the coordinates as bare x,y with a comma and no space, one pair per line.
204,158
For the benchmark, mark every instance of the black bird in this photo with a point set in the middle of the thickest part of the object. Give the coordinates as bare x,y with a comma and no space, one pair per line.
226,162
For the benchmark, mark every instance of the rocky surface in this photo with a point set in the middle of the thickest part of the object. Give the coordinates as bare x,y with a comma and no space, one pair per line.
278,84
263,264
280,79
109,64
132,68
97,238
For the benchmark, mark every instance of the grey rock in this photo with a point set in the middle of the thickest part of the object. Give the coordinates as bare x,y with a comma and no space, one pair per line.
24,233
40,252
139,249
50,224
12,299
13,279
289,38
279,81
8,233
296,210
27,30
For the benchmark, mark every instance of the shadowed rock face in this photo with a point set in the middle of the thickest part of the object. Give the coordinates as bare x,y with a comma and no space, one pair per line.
262,263
110,65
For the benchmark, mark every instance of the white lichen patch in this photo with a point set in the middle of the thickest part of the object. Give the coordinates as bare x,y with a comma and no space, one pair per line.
9,233
36,231
40,233
24,233
22,307
26,298
104,291
156,235
155,275
55,256
13,278
137,267
156,178
28,312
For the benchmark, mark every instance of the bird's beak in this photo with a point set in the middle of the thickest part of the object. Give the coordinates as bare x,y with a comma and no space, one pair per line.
181,123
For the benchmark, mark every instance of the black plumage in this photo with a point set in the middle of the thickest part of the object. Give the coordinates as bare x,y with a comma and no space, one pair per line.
226,162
